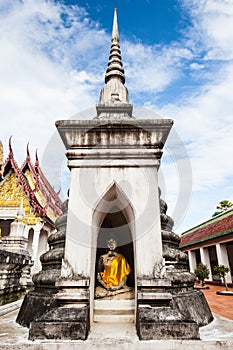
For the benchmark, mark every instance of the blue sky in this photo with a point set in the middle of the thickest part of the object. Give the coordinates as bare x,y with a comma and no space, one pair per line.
178,60
146,20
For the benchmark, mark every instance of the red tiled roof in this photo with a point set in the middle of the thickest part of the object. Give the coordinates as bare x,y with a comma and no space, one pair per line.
41,183
51,196
220,225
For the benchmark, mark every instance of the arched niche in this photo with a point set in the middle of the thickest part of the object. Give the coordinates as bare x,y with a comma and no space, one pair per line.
114,217
30,241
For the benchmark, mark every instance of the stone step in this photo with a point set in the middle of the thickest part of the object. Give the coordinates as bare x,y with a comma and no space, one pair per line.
114,319
117,332
114,311
114,304
7,308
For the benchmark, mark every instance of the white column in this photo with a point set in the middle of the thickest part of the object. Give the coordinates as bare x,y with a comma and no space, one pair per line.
222,255
35,244
192,260
42,247
205,259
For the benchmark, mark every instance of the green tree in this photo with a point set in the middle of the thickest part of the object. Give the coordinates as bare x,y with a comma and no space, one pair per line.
202,272
223,206
222,270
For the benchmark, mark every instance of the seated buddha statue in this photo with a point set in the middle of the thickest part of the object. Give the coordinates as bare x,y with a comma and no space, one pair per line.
113,268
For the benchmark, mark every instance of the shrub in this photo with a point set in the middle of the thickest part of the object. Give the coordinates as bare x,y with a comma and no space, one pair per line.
222,270
202,272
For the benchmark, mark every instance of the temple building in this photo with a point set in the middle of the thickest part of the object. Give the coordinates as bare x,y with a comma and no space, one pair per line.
211,243
29,207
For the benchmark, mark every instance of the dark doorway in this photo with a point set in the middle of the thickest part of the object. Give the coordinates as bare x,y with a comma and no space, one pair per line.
213,261
115,226
229,246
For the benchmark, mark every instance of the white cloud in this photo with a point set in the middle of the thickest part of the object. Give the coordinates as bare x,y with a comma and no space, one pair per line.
196,66
212,22
152,68
145,68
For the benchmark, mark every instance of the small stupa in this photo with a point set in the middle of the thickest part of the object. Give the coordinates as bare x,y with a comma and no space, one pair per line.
114,257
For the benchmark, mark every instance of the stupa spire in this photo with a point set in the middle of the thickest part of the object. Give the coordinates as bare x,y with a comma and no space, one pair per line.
115,66
115,33
114,102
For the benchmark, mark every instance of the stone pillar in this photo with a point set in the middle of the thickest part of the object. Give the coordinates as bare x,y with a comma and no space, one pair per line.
205,259
192,260
35,244
43,246
222,256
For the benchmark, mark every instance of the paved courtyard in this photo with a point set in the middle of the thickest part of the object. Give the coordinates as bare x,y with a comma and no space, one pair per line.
218,334
219,304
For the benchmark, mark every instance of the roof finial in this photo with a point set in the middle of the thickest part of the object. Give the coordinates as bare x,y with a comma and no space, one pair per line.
10,148
28,153
37,159
20,212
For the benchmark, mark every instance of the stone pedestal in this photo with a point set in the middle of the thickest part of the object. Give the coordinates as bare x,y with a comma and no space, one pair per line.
11,270
65,323
168,305
16,242
70,319
42,298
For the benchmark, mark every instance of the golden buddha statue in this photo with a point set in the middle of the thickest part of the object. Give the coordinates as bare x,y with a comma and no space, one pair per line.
113,268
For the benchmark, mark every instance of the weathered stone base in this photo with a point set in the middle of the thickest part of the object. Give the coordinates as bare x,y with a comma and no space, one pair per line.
193,306
164,323
34,305
65,323
175,314
168,330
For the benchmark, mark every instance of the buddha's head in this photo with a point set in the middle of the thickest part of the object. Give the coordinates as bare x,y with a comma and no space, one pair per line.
112,244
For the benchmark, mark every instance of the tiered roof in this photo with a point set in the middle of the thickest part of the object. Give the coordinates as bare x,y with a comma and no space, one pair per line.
34,190
218,227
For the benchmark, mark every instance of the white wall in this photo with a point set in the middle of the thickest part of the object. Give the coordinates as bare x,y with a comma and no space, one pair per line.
87,187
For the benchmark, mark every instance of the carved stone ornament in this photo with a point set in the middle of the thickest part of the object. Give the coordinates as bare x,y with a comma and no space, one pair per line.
160,269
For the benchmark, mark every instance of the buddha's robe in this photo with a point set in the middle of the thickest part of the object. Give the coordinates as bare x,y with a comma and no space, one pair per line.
114,273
